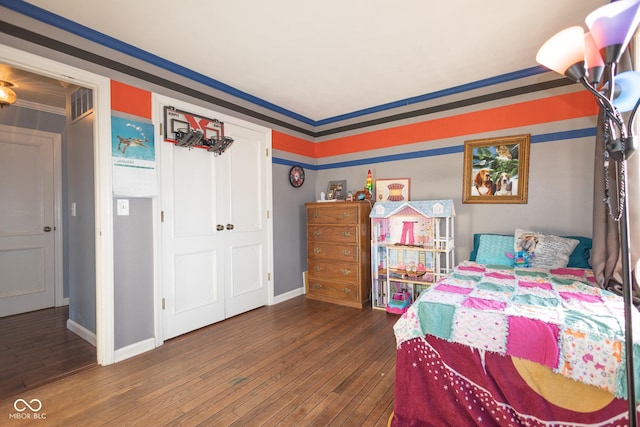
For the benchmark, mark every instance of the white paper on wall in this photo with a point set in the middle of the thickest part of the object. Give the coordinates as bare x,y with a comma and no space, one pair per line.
134,159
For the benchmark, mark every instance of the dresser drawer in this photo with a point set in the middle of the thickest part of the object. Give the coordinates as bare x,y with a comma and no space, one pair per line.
335,234
343,271
332,215
318,250
338,290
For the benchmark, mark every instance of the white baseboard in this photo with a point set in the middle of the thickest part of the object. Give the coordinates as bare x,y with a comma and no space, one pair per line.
288,295
134,349
82,332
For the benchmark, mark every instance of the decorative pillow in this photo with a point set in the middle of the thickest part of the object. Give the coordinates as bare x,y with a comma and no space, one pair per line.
549,251
581,254
493,248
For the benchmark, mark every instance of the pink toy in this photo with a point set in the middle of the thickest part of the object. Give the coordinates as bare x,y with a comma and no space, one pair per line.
399,303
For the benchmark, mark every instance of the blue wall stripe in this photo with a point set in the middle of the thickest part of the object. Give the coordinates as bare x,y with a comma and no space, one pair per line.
285,162
535,139
65,24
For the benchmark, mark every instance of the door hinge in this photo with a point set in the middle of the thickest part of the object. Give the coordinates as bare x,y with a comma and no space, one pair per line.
160,129
268,277
267,152
161,216
267,214
163,303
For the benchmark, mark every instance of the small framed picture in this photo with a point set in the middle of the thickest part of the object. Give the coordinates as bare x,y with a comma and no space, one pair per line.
392,190
496,170
337,190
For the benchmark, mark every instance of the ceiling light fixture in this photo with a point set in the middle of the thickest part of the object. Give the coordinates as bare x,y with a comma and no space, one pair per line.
7,96
585,58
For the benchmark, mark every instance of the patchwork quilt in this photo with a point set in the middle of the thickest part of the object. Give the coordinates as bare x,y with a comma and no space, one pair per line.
557,318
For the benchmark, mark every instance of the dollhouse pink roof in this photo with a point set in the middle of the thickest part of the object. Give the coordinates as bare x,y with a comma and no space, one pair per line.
427,208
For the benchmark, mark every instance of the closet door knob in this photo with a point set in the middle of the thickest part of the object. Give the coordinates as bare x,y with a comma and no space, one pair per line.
219,227
229,226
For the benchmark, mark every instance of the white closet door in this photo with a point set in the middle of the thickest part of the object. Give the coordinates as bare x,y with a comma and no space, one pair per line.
193,258
246,244
216,240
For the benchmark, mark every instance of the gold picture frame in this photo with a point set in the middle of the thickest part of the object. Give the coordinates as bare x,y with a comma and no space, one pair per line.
392,190
496,170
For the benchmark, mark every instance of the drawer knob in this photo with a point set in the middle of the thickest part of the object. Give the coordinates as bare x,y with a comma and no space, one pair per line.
346,252
316,232
346,291
316,214
317,285
317,250
345,214
317,268
347,234
346,272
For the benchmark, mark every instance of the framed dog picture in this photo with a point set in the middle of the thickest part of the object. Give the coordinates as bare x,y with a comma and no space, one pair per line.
496,170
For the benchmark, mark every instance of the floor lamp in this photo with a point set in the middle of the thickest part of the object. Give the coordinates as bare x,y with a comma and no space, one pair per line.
586,58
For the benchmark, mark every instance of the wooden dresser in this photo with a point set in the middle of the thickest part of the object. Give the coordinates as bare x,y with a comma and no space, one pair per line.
338,252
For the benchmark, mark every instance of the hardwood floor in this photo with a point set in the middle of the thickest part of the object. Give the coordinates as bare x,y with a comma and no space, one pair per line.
299,363
37,348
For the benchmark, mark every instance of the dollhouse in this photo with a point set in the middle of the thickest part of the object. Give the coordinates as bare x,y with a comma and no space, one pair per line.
412,247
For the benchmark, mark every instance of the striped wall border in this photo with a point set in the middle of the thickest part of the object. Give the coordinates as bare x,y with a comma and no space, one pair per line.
535,139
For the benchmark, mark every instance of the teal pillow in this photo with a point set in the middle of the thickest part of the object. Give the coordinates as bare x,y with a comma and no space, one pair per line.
580,256
476,243
493,249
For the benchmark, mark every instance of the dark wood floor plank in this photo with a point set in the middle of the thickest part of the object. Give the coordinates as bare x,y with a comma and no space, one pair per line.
37,348
296,363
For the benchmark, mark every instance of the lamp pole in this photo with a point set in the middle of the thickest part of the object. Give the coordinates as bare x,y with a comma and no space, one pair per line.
627,284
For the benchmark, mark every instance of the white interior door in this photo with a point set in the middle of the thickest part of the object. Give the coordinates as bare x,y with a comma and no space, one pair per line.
27,221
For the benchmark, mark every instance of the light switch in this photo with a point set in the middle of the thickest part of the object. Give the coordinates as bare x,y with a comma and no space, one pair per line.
123,207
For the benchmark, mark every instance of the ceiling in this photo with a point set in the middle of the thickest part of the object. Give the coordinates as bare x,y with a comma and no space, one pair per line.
328,58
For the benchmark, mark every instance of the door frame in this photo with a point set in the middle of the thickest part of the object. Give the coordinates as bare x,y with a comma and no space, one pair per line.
56,140
157,117
101,87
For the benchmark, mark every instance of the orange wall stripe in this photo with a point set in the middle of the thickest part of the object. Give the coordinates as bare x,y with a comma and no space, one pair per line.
292,144
562,107
130,100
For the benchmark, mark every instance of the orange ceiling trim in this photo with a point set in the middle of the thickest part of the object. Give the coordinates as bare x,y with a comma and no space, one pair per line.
291,144
130,100
561,107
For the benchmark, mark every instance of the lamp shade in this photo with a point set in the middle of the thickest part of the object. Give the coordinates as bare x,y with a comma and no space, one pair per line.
626,91
595,63
564,53
612,27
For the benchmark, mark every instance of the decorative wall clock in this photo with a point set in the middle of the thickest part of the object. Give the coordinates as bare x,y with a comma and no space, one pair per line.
296,176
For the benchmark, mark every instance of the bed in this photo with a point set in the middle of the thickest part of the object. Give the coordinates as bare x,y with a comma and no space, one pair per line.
494,344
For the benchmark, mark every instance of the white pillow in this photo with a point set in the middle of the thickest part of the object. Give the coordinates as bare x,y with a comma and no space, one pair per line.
548,251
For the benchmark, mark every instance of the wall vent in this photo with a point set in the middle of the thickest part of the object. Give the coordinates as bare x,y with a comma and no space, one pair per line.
81,103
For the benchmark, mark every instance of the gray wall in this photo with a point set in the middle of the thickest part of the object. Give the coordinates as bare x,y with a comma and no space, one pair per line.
133,275
560,190
81,256
289,228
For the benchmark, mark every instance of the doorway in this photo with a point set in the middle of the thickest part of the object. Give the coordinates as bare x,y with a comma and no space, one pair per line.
102,203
